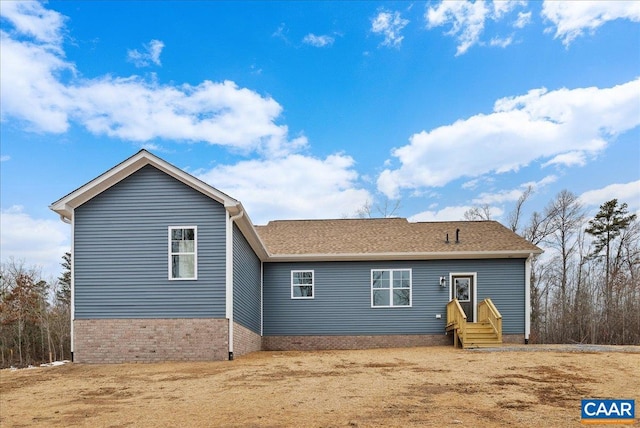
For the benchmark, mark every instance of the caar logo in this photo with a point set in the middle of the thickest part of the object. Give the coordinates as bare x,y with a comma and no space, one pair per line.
595,411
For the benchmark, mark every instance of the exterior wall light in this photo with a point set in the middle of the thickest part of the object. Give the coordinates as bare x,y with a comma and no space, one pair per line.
443,281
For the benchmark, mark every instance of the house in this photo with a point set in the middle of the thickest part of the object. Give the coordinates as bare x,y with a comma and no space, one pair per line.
166,267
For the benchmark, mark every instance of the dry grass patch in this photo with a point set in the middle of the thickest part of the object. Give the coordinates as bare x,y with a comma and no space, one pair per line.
433,386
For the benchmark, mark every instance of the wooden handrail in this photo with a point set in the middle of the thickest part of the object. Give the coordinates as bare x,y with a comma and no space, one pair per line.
456,321
487,311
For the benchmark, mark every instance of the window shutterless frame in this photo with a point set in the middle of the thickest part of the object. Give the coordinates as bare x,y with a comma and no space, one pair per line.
183,253
302,284
391,288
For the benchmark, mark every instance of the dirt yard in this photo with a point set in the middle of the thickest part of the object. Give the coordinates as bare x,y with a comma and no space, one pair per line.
433,386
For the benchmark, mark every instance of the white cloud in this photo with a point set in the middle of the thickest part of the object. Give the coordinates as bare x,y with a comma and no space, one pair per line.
30,18
30,86
501,42
35,89
5,158
453,213
151,54
281,33
38,241
292,187
318,41
539,125
512,195
573,18
467,19
218,113
389,25
568,159
624,192
471,184
524,19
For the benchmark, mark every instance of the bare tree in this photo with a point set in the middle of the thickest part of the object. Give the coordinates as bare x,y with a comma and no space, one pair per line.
385,209
566,216
516,213
34,316
482,212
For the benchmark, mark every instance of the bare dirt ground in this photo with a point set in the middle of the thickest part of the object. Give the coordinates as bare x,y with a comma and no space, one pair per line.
434,386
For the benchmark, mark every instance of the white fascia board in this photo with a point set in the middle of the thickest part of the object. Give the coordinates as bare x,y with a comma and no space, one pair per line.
249,232
65,205
401,256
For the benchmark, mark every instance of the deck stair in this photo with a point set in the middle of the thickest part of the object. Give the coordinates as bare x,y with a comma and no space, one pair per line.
487,332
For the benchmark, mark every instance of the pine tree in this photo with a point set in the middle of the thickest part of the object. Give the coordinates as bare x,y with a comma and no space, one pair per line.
64,293
605,227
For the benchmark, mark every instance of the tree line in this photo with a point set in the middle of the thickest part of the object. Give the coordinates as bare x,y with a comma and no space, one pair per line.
585,288
34,315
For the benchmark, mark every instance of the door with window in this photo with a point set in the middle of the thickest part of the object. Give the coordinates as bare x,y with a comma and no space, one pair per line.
462,288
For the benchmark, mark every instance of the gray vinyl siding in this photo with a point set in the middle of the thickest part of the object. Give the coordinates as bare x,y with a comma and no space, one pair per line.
342,297
246,283
121,251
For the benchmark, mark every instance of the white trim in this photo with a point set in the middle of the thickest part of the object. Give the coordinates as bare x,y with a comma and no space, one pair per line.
228,268
313,284
261,298
229,219
449,255
527,296
73,281
391,305
171,253
475,290
65,205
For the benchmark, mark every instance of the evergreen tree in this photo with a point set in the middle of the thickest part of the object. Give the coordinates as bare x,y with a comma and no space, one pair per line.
64,293
605,227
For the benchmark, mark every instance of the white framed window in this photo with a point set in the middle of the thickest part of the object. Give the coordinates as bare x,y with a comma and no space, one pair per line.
302,284
183,252
390,288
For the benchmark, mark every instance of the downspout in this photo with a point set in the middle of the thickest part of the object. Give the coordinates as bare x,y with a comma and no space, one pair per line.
72,309
527,298
261,298
229,288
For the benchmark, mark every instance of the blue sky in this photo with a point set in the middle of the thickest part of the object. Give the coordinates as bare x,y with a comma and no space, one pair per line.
311,109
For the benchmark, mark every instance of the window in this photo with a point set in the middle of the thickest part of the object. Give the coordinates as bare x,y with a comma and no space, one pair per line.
302,284
390,288
183,257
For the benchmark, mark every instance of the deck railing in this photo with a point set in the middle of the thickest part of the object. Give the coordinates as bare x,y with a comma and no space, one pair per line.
456,321
487,311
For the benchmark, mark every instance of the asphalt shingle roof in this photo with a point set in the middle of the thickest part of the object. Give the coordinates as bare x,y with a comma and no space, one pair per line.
389,235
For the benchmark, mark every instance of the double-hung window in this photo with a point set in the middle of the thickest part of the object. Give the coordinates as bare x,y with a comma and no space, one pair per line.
302,284
183,252
390,288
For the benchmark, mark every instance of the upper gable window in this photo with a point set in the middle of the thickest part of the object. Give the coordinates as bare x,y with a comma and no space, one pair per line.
302,284
390,288
183,252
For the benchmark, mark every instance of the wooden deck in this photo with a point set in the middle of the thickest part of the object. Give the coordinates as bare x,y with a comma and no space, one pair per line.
486,332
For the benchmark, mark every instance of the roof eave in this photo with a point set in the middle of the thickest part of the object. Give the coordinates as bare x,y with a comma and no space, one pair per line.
249,232
450,255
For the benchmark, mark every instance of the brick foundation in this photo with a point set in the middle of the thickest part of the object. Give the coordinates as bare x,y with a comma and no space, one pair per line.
156,340
513,338
150,340
245,340
310,343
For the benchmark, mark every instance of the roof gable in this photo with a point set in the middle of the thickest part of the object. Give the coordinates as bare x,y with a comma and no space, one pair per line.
64,206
